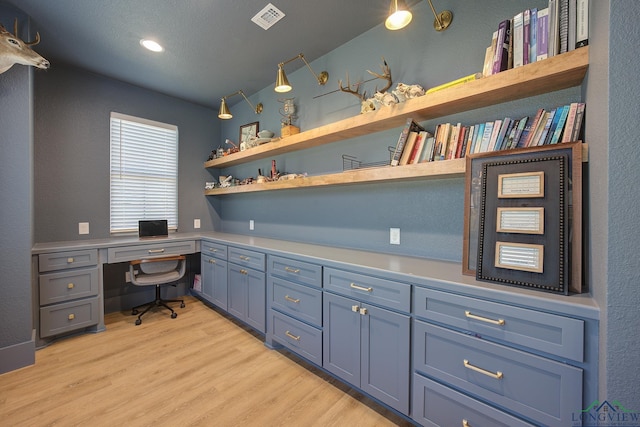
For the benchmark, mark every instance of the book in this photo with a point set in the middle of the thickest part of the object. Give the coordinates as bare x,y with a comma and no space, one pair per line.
542,34
509,139
554,125
557,133
454,139
538,129
479,135
582,23
486,137
472,139
427,150
408,148
533,35
494,135
563,26
547,126
443,143
469,143
501,55
554,16
571,31
517,40
415,151
526,36
456,82
568,127
487,68
410,125
507,124
578,122
522,123
532,128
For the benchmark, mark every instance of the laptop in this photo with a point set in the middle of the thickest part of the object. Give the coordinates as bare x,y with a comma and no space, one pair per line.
148,229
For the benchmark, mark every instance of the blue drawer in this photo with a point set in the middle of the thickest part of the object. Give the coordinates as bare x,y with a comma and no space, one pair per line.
213,249
68,285
539,389
69,316
385,293
435,405
246,258
301,302
558,335
68,259
298,337
296,271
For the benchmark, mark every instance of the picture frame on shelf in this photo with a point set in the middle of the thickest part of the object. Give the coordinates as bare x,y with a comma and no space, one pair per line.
473,200
248,131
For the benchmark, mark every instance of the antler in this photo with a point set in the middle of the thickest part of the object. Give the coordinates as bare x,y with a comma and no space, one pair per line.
347,89
15,33
386,75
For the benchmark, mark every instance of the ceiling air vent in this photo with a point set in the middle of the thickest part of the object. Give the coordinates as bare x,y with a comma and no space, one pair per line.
268,16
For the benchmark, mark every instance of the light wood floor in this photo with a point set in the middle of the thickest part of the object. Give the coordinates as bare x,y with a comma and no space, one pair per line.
200,369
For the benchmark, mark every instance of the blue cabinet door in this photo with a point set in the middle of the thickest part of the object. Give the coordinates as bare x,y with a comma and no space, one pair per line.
256,299
341,338
385,372
214,280
237,291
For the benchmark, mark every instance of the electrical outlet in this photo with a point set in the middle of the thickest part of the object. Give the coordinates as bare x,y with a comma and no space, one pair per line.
83,228
127,277
251,224
196,223
394,236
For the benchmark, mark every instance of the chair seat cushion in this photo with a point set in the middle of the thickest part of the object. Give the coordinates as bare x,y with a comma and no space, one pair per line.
157,278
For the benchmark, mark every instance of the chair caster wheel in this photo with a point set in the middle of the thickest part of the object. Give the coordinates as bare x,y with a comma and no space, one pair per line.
134,312
182,305
174,315
138,321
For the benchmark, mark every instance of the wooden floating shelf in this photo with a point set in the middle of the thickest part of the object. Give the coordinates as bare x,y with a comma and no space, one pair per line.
431,170
556,73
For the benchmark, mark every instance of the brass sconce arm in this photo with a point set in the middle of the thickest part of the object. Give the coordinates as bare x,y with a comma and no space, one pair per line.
225,113
282,83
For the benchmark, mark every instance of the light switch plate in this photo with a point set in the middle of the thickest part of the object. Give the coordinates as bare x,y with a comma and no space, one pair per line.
251,224
83,228
394,236
196,223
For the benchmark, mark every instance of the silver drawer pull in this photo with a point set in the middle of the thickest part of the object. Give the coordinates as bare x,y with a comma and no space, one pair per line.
70,286
213,250
71,316
156,251
465,423
293,337
244,258
288,298
360,288
292,270
498,375
70,260
212,261
499,322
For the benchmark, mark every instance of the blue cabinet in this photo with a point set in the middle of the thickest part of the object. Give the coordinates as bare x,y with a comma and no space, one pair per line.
213,272
368,346
246,298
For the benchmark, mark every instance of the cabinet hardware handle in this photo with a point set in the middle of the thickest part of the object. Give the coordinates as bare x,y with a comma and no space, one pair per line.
156,251
244,271
212,261
213,250
292,270
355,308
498,375
70,286
290,335
363,311
360,288
465,423
244,258
70,260
288,298
71,316
470,315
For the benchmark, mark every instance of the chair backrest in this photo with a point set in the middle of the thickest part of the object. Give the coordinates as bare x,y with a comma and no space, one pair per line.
157,270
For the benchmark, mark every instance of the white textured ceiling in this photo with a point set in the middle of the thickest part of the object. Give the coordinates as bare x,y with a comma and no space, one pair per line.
211,46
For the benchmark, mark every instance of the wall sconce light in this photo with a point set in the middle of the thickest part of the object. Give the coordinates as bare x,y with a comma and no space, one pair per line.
282,83
225,113
400,16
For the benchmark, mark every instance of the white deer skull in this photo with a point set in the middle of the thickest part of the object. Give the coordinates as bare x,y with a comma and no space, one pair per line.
15,51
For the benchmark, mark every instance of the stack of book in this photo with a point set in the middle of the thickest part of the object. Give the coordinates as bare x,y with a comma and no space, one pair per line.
455,141
536,34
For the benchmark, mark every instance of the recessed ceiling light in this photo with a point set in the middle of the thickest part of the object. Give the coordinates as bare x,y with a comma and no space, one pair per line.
151,45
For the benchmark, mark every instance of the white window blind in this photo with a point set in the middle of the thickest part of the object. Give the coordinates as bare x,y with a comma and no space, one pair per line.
144,172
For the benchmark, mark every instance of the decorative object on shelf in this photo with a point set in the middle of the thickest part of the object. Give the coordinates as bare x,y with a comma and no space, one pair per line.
248,135
225,113
288,110
513,221
404,91
400,16
351,162
369,104
282,83
209,185
234,148
225,181
15,51
265,134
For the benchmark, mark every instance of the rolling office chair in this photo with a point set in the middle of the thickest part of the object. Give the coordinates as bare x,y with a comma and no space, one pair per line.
156,272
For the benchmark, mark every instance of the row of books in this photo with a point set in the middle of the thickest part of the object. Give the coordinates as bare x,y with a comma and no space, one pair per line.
536,34
454,141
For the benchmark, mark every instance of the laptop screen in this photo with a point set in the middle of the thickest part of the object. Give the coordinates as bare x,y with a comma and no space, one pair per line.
153,228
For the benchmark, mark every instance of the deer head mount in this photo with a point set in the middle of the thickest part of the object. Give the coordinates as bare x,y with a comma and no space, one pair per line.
368,104
15,51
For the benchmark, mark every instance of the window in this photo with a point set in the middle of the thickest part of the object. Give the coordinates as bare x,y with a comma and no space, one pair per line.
144,172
